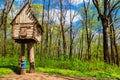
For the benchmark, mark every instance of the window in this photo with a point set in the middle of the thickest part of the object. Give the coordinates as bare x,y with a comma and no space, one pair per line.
23,32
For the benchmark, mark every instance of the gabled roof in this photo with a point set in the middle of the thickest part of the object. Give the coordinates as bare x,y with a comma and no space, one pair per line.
32,13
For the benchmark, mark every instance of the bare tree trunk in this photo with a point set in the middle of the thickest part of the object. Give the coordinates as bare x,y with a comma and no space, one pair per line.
5,34
98,47
50,44
71,42
105,39
114,48
62,27
58,40
13,47
112,42
71,34
88,35
6,10
104,14
41,48
81,46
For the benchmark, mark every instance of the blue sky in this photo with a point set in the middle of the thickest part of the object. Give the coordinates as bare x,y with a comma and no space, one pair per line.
76,4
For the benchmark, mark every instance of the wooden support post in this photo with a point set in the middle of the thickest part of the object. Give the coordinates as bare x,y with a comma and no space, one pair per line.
22,71
22,50
31,57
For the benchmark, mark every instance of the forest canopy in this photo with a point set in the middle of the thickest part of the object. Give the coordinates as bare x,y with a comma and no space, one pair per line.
86,30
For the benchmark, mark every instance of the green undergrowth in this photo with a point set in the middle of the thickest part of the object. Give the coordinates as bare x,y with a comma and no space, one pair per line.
75,67
5,71
69,67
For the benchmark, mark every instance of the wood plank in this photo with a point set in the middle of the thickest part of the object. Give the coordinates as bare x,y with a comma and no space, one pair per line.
31,57
22,71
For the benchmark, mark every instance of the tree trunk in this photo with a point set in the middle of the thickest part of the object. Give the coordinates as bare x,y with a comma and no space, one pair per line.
71,35
62,27
13,47
88,35
112,45
50,44
98,47
46,40
58,40
114,48
105,40
5,34
5,12
81,46
112,42
41,47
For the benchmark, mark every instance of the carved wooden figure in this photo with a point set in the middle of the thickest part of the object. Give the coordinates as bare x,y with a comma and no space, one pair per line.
26,29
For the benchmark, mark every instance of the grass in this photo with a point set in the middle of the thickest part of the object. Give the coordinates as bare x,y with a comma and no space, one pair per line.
5,71
82,69
73,67
60,71
72,73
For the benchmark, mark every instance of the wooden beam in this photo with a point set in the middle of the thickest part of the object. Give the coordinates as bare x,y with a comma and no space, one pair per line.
22,71
31,57
23,24
22,50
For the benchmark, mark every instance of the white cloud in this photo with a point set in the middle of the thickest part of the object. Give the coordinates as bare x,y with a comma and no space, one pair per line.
76,2
55,16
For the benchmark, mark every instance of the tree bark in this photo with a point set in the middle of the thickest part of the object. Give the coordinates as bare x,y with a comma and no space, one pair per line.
71,33
62,27
98,47
88,35
81,47
58,40
5,34
41,47
105,39
6,10
114,48
48,17
50,44
112,41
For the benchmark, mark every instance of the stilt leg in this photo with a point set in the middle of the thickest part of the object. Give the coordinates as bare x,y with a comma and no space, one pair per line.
31,57
22,71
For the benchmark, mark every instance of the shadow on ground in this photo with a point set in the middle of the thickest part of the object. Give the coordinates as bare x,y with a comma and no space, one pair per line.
14,68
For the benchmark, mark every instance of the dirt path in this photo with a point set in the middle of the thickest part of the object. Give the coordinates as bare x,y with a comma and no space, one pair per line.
39,76
35,76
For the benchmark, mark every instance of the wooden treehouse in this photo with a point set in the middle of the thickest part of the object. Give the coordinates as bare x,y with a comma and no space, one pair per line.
26,29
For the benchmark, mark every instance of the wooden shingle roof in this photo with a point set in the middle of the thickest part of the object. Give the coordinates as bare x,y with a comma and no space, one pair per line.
31,13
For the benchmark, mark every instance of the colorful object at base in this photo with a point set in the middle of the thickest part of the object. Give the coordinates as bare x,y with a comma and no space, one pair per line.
23,64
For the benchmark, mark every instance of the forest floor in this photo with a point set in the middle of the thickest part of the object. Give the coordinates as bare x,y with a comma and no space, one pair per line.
41,76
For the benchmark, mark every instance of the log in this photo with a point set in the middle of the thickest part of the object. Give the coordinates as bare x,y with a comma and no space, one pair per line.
22,71
31,57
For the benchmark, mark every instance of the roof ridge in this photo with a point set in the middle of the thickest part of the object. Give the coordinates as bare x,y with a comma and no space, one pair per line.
27,3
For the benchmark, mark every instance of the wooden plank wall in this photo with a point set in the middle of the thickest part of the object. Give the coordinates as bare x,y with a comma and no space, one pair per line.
16,31
24,16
